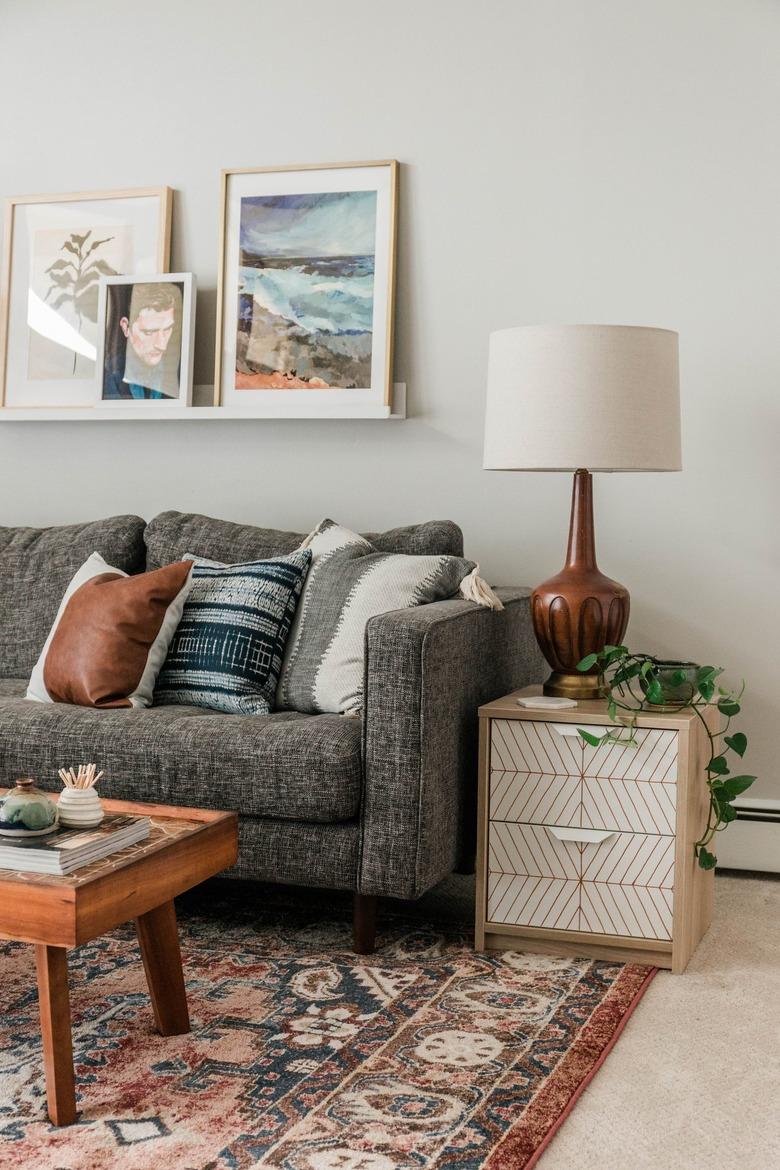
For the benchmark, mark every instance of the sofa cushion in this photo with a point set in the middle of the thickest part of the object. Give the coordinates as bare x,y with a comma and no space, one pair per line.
227,652
36,565
285,765
172,535
350,582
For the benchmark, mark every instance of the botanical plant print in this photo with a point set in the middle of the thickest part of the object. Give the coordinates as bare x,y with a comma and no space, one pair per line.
65,275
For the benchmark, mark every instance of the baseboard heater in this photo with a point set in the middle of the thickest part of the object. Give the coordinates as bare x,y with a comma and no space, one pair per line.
752,841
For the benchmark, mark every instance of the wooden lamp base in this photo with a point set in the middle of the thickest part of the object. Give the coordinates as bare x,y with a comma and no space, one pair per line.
579,610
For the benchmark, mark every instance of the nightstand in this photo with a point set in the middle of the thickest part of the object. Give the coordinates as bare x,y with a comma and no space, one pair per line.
589,850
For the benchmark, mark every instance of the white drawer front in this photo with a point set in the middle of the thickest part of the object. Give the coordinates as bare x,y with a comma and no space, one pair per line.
531,798
627,886
543,748
653,760
573,878
630,806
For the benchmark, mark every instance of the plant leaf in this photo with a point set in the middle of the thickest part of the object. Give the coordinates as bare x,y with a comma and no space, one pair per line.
735,785
729,707
101,267
737,742
58,265
655,693
97,244
625,672
593,740
588,662
718,765
61,299
707,860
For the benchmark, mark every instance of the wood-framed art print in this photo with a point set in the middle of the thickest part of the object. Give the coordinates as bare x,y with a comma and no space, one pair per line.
56,250
306,288
146,340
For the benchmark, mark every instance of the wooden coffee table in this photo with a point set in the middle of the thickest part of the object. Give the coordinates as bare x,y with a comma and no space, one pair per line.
185,846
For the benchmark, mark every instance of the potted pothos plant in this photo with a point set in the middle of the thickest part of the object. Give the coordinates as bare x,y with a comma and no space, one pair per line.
632,683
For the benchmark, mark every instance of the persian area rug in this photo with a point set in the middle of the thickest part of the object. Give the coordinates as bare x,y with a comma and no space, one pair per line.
304,1056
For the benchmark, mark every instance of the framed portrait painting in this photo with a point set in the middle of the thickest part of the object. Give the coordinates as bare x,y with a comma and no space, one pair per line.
146,341
306,283
57,250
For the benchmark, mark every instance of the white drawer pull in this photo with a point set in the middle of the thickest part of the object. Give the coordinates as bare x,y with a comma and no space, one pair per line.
573,729
591,836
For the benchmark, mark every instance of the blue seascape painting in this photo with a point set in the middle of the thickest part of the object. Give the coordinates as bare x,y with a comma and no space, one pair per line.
306,291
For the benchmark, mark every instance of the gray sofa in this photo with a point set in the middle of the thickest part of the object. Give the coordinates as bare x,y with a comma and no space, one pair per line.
380,805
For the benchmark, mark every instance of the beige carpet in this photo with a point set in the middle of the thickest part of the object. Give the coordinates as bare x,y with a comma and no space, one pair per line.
694,1081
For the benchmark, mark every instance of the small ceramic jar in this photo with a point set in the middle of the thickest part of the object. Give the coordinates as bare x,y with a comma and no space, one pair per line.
27,812
80,808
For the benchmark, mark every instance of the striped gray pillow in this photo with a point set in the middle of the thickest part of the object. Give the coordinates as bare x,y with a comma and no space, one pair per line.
349,582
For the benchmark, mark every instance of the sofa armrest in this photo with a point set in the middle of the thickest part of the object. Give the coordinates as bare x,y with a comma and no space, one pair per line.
427,671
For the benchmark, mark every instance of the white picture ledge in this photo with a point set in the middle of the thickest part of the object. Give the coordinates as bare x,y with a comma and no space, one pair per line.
146,413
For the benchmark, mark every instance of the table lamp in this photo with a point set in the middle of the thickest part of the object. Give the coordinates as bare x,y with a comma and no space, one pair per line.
581,398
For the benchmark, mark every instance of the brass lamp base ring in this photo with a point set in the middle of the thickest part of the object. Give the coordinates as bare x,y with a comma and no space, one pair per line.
573,686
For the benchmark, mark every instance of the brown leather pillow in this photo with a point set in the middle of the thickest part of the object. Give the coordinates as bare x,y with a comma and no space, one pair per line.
111,636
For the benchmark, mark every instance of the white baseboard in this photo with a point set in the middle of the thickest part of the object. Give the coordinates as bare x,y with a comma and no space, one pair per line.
753,840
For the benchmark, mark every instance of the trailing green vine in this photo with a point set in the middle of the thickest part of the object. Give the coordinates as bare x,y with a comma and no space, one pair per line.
620,671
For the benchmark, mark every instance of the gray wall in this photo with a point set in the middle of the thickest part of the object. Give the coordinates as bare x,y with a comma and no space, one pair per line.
607,161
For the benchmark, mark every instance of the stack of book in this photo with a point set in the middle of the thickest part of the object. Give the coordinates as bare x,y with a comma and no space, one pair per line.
65,850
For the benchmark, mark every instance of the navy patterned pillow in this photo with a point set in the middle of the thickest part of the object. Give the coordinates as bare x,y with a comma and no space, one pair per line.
227,651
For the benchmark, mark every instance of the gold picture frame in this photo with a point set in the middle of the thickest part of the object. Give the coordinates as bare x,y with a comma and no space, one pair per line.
385,250
13,301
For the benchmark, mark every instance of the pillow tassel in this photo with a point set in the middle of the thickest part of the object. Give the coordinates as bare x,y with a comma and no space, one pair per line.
475,588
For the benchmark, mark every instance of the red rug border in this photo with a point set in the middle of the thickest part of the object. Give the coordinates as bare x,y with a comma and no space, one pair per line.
494,1157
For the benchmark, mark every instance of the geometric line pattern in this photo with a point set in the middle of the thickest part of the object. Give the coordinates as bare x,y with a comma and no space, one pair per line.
606,908
535,747
621,886
535,799
628,805
653,759
527,901
630,859
540,779
533,851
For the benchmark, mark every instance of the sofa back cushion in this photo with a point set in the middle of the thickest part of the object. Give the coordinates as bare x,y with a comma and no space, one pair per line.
36,566
173,535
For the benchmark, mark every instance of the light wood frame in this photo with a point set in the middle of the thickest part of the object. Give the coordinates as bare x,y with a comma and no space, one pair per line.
693,887
165,195
187,354
389,324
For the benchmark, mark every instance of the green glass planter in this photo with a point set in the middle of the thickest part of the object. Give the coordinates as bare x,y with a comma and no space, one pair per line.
27,812
678,682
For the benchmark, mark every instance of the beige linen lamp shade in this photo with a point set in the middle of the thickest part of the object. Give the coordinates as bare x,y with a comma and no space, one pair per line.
581,398
601,397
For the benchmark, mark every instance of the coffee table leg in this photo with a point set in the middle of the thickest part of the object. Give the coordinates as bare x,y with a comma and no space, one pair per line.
159,939
52,964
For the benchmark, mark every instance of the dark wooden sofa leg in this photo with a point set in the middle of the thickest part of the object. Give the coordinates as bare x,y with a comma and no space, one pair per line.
364,924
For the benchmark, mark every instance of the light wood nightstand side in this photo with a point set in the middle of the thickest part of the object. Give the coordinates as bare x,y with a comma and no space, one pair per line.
589,851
